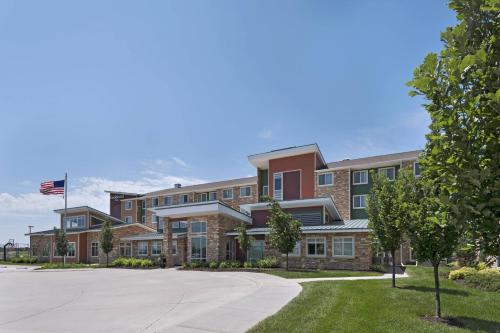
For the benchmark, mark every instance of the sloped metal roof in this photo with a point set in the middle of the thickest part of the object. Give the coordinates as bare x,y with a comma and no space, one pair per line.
360,225
351,163
145,236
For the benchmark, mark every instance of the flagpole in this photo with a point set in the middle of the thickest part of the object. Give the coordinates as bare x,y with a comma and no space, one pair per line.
65,206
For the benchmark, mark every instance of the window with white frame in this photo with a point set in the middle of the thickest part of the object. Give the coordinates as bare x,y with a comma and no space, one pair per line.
256,250
155,202
128,205
128,219
343,246
94,249
227,193
278,186
265,190
416,169
142,248
156,248
230,249
174,247
167,200
155,219
184,199
245,191
390,172
316,247
179,225
199,240
296,250
71,249
143,204
212,196
161,224
359,201
202,197
325,179
125,249
360,177
75,222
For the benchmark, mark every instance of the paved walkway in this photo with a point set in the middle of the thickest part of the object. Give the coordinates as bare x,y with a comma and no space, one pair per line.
123,300
351,278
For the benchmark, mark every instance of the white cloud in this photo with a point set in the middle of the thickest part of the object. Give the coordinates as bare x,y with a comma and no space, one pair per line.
17,211
265,134
179,161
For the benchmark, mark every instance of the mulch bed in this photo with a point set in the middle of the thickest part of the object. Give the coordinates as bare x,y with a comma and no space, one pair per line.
447,321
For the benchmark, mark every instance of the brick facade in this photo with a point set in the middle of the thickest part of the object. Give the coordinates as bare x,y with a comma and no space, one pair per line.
340,190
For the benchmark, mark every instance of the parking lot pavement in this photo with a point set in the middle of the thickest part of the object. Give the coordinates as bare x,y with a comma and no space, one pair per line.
122,300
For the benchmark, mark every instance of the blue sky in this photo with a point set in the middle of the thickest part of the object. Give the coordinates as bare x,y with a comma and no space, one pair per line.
137,95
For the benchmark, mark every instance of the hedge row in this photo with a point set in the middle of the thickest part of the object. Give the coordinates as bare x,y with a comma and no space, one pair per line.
270,262
132,262
485,279
23,260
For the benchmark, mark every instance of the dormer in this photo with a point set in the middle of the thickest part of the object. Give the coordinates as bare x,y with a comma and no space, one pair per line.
288,174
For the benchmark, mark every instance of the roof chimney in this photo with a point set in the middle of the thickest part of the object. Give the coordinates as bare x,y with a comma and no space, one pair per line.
178,185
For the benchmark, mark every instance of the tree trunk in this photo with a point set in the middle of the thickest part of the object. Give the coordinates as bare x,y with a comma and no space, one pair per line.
287,261
393,254
436,289
107,259
64,261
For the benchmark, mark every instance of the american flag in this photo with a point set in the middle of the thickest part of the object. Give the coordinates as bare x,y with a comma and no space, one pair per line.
52,187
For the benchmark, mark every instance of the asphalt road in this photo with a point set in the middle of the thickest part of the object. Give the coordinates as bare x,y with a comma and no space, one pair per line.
122,300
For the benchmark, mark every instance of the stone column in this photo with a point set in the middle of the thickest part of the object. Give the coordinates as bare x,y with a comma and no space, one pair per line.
167,242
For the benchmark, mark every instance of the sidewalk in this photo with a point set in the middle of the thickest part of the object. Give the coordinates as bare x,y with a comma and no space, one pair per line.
351,278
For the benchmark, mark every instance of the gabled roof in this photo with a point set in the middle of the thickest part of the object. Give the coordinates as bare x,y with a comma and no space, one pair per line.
344,226
81,209
374,161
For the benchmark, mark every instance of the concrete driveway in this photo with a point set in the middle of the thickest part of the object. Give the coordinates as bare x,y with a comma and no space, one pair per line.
121,300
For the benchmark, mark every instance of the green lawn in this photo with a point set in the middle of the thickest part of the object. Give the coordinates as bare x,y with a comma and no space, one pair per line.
300,274
372,306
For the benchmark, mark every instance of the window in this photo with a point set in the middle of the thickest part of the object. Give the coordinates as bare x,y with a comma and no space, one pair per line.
202,197
143,219
359,201
128,205
125,249
156,248
143,204
184,199
416,169
167,200
245,192
71,249
75,222
296,250
94,249
278,186
174,247
161,225
179,225
213,196
360,177
390,173
265,190
230,249
128,219
343,246
256,250
155,219
155,202
227,193
197,227
316,247
142,248
325,179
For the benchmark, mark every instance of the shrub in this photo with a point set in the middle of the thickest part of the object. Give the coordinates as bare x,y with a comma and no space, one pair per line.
461,273
235,264
453,264
248,264
195,264
24,260
486,279
132,262
185,265
225,264
378,268
270,262
482,266
213,264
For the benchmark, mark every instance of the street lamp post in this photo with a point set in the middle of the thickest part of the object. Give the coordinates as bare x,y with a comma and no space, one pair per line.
29,251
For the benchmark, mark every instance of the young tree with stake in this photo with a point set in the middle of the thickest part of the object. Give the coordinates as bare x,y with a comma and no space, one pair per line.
106,240
244,239
61,243
284,229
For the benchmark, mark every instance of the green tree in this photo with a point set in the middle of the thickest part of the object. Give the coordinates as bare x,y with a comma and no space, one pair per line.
106,240
432,232
383,217
284,230
61,243
243,238
461,86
